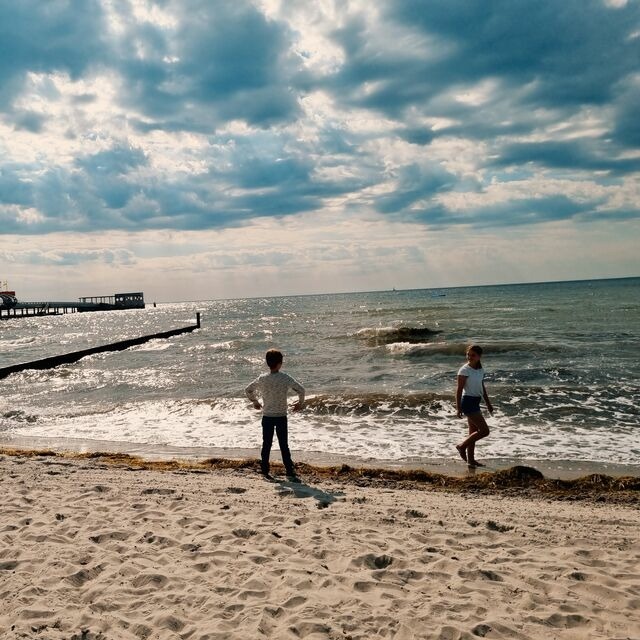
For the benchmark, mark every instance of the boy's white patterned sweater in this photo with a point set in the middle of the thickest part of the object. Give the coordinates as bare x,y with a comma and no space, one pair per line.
273,388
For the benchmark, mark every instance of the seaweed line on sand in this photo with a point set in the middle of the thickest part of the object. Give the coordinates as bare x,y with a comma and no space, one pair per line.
518,480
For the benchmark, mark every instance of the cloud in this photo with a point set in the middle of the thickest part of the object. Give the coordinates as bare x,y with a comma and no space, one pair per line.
14,188
415,183
626,130
198,115
60,258
56,36
586,155
217,62
562,55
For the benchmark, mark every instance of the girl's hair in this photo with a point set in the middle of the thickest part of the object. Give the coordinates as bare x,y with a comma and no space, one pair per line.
475,348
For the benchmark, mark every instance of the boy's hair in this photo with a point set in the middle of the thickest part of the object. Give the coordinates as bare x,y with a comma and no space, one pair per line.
274,358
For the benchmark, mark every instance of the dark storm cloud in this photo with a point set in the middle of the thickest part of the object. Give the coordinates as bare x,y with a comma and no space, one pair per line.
44,37
626,130
566,54
575,154
224,61
112,189
516,212
416,183
559,57
14,188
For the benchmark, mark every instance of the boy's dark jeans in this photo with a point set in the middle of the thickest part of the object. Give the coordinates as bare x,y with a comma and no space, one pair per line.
279,424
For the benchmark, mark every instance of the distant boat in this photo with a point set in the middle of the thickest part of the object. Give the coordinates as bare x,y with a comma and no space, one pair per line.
438,294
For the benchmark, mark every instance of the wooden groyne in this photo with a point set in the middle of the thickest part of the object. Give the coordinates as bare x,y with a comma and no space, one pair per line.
74,356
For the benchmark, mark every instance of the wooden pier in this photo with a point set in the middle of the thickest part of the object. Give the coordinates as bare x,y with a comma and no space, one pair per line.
33,309
74,356
10,307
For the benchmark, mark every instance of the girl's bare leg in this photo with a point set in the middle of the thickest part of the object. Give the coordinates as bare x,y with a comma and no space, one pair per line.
466,448
478,429
471,447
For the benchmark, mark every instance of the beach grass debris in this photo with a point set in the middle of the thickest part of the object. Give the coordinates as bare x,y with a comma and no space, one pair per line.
517,480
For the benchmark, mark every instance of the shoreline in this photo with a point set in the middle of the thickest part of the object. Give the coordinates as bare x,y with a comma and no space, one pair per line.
516,481
551,469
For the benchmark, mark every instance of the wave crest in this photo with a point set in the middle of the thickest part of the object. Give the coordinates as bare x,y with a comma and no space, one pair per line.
386,335
412,349
362,404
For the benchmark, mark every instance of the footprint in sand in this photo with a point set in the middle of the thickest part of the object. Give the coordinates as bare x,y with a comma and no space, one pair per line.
482,574
100,488
372,561
149,580
567,622
160,541
110,535
364,587
244,533
83,576
236,490
296,601
169,622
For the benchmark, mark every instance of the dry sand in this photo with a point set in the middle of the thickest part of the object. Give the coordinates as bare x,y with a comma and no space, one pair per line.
91,551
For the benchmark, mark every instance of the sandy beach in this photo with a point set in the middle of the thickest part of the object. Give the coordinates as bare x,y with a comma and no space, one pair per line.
94,551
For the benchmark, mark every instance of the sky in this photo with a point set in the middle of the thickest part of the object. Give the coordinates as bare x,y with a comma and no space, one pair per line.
201,149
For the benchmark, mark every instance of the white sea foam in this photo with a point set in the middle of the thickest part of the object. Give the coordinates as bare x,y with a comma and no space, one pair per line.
16,342
223,346
153,345
232,423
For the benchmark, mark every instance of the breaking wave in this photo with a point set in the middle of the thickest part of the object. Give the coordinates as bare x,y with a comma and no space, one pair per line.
395,334
363,404
417,349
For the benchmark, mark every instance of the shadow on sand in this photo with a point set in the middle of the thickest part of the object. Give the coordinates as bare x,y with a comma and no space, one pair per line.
301,490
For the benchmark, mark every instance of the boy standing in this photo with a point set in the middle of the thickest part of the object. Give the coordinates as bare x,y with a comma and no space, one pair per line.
273,387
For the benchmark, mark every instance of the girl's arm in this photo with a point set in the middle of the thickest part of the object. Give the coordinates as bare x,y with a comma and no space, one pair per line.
486,398
461,382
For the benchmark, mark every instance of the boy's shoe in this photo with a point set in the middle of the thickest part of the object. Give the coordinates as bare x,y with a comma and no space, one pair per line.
292,477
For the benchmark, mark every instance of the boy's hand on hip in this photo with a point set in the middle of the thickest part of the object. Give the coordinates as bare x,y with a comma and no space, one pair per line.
296,406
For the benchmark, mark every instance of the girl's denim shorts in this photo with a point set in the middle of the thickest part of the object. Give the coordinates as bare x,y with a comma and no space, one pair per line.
470,405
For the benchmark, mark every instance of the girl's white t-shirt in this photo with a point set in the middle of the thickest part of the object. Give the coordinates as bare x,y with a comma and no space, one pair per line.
473,384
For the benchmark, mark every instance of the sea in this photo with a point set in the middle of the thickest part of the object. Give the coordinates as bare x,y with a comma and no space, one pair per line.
562,364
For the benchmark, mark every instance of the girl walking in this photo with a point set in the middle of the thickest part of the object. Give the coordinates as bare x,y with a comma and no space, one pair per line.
469,392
